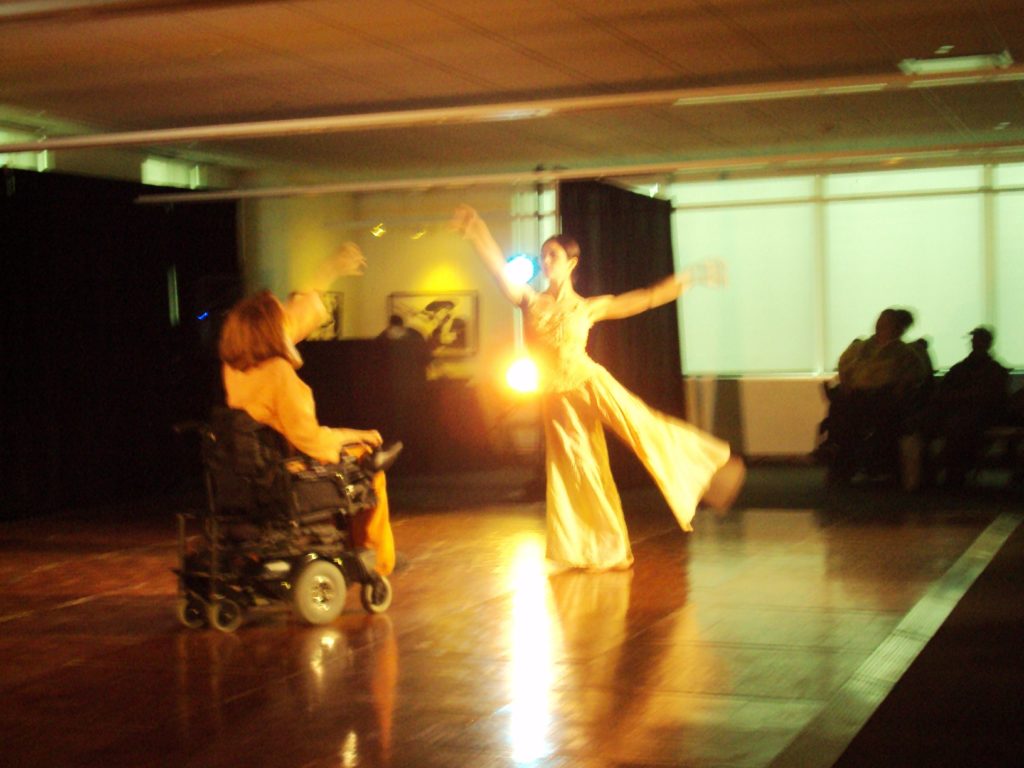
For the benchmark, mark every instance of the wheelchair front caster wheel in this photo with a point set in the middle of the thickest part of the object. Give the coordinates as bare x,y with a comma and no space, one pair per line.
376,595
318,595
191,612
224,614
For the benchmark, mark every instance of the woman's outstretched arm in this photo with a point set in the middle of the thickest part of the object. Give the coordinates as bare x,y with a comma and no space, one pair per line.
662,292
347,261
467,222
304,310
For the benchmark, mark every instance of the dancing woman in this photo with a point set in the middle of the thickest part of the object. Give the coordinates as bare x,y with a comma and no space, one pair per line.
259,362
585,525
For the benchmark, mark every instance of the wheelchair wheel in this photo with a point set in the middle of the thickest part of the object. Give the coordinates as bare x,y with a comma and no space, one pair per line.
376,595
318,595
191,612
224,614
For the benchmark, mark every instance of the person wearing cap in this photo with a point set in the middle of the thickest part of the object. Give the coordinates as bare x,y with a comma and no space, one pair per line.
971,397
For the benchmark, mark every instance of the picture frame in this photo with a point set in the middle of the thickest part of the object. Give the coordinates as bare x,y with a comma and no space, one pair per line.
448,320
331,329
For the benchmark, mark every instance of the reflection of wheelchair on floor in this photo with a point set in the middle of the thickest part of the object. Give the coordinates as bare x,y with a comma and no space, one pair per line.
276,528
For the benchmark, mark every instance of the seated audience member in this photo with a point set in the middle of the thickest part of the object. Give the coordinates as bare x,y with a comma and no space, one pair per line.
971,397
406,357
883,360
912,443
1015,408
259,362
880,380
396,330
918,346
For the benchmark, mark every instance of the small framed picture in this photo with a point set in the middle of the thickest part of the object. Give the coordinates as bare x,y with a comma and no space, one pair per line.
449,321
331,328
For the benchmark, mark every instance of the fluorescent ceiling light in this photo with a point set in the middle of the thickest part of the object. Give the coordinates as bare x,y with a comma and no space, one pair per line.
949,64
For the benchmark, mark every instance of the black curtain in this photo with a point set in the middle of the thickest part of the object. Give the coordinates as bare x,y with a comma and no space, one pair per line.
96,373
626,242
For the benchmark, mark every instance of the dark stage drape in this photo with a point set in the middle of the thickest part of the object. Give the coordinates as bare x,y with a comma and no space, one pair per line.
626,242
95,372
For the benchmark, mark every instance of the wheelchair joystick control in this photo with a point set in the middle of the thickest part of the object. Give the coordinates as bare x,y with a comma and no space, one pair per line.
382,460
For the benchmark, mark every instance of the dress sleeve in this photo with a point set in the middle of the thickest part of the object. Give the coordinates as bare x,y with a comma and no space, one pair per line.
303,313
297,413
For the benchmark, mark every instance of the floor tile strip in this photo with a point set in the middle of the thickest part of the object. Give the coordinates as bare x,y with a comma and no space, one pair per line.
821,743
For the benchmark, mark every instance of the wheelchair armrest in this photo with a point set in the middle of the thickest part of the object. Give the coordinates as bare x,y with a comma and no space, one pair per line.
296,463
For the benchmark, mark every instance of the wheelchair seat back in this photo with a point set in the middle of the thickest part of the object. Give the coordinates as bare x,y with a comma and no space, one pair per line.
252,470
243,460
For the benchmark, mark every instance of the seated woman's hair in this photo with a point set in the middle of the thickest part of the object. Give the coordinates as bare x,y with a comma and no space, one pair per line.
254,331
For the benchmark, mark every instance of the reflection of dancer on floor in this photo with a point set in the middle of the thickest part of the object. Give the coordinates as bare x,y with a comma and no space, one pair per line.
585,524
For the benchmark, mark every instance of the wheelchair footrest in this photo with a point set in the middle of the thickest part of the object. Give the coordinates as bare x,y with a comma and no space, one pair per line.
359,564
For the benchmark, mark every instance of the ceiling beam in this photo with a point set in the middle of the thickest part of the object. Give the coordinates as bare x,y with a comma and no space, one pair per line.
520,110
806,163
34,10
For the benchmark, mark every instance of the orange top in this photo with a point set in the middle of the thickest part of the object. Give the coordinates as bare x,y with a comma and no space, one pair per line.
273,394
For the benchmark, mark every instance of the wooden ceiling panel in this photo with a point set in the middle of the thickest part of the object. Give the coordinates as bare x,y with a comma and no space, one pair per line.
133,65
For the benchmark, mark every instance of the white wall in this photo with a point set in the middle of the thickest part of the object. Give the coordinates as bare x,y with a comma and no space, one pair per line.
813,260
760,416
435,261
283,238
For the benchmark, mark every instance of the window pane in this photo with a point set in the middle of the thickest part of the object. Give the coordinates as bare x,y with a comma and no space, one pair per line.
1009,274
1011,175
917,180
764,320
924,254
747,190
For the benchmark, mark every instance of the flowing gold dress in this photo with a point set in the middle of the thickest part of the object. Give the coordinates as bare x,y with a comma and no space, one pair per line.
585,524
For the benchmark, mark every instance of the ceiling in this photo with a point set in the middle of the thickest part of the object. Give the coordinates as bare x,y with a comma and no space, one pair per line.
407,92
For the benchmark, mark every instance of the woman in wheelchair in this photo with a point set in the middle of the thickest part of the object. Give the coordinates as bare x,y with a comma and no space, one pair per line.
259,362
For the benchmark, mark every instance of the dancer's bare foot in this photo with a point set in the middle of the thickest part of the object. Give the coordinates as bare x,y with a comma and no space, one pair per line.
725,485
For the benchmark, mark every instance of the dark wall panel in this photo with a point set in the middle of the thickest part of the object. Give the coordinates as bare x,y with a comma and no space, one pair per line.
96,373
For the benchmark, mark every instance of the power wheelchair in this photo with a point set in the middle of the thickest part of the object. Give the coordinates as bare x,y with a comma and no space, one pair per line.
276,528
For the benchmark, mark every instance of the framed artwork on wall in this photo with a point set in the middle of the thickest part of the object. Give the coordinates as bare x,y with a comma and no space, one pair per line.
331,329
449,321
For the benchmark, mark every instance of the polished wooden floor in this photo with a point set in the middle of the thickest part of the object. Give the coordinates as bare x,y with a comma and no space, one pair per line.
764,639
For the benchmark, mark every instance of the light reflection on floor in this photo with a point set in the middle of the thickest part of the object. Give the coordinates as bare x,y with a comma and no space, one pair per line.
533,639
722,648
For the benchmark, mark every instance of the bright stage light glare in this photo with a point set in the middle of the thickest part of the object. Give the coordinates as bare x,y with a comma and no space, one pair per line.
522,375
520,269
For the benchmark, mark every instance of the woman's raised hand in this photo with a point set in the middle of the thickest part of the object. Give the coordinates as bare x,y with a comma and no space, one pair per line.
347,261
710,272
371,437
464,218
